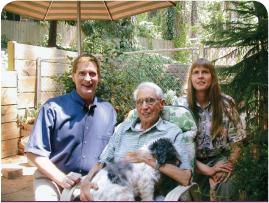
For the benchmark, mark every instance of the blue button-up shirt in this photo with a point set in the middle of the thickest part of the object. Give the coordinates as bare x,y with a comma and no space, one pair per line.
71,134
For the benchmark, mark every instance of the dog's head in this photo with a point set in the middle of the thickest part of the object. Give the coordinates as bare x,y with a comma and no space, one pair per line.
164,151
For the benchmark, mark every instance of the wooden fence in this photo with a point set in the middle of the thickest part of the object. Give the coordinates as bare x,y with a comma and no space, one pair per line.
18,87
32,33
9,107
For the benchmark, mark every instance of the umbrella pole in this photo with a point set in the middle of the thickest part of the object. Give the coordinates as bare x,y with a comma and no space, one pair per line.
79,26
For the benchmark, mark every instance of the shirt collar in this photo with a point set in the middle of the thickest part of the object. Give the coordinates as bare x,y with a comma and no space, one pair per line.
207,106
78,99
159,125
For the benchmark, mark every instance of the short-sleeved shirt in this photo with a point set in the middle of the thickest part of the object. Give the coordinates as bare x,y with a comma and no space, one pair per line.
71,134
206,147
129,138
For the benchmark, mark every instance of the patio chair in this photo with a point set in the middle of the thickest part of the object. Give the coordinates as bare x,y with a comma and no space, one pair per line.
184,118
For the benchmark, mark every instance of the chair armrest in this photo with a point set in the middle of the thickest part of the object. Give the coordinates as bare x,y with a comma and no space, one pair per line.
175,194
67,193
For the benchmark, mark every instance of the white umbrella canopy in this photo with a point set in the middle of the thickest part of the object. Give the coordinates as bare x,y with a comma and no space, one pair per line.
83,10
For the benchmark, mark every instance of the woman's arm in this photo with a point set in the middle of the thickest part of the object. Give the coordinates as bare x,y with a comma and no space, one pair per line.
222,170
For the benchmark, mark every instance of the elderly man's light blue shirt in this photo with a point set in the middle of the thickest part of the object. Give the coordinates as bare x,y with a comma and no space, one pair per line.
71,134
128,138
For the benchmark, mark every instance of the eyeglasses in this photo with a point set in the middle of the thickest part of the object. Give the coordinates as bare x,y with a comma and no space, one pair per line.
149,101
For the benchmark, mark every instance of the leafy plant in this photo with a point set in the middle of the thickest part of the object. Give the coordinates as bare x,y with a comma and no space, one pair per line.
4,41
45,40
170,96
104,35
4,60
29,116
148,30
250,174
181,37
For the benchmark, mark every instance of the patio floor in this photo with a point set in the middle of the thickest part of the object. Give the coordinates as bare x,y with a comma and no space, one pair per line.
20,188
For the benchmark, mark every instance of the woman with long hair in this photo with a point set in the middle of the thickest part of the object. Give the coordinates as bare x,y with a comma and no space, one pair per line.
219,129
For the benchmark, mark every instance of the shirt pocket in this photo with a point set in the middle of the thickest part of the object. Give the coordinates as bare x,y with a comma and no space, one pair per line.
103,136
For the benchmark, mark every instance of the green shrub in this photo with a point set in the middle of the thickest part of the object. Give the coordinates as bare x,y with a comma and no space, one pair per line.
4,41
250,174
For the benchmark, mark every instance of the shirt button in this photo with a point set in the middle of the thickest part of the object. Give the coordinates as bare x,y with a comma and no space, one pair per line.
85,142
83,157
87,128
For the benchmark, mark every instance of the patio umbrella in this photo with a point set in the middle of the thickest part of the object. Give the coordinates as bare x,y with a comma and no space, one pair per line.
83,10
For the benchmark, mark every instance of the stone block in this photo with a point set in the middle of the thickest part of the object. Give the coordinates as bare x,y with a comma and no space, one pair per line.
25,133
12,173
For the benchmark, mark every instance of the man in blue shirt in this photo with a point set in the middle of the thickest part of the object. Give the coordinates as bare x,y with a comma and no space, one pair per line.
70,133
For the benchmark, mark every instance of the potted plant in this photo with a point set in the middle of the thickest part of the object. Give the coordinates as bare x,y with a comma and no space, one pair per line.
26,124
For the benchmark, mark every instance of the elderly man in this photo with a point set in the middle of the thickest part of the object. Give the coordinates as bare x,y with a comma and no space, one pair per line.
133,134
70,133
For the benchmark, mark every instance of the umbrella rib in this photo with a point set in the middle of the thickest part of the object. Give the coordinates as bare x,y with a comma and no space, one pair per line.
108,12
47,11
171,3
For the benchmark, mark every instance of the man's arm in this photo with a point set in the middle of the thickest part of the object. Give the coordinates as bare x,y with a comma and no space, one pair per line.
181,175
86,184
46,167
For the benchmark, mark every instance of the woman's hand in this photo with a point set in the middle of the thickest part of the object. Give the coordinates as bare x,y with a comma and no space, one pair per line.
223,170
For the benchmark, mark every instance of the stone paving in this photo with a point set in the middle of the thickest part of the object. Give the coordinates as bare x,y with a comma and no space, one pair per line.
18,188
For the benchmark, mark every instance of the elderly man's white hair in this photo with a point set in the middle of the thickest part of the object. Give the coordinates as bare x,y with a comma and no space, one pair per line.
152,85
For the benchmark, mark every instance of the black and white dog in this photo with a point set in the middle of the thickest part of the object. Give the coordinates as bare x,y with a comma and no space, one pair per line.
124,181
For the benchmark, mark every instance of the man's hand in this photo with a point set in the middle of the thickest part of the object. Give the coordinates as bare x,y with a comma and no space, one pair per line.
70,180
85,187
137,156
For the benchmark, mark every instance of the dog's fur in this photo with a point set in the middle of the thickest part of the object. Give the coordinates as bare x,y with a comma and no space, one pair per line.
124,181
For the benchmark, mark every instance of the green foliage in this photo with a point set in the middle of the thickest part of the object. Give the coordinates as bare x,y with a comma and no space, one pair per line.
148,30
170,24
251,171
65,79
105,34
4,60
248,85
45,40
170,96
29,116
4,41
250,75
43,23
157,24
181,37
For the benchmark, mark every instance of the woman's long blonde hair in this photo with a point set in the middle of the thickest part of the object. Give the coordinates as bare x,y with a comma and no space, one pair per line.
216,99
